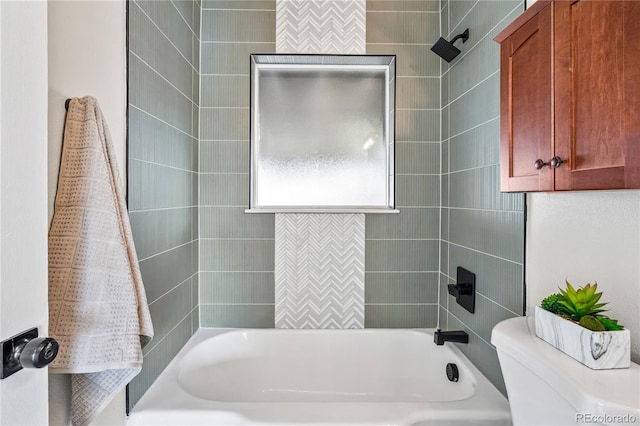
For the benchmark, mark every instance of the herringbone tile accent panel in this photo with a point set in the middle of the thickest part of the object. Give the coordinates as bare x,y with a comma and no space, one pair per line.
321,26
319,258
319,271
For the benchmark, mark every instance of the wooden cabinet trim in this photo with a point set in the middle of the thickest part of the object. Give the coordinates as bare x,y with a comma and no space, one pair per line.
522,19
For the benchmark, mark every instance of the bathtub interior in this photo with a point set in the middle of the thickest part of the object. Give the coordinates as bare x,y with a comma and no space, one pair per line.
173,399
323,366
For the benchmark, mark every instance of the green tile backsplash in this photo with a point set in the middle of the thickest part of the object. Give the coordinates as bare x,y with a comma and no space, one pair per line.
409,224
236,287
238,4
163,170
231,222
404,5
207,263
402,27
412,59
238,316
401,287
401,248
401,255
418,158
481,228
400,316
239,26
236,249
156,142
167,18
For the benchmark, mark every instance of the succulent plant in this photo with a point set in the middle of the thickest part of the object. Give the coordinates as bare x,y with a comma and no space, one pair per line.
590,322
581,306
552,304
581,302
609,323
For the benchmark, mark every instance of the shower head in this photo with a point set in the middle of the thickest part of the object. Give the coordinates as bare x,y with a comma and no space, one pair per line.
446,50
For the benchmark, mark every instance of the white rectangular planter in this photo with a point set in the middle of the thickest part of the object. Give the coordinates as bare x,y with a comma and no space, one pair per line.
596,349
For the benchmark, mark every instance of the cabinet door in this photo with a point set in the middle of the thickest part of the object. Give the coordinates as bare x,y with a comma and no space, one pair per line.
526,108
597,94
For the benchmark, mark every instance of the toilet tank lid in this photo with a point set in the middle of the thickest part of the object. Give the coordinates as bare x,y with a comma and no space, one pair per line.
612,392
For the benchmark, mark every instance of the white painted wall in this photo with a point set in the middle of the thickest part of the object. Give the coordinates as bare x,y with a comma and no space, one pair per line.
23,195
586,237
87,56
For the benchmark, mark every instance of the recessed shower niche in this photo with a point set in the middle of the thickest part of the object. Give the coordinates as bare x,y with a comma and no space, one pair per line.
322,133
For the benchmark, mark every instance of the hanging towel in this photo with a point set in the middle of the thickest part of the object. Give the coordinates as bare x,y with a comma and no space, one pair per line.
98,310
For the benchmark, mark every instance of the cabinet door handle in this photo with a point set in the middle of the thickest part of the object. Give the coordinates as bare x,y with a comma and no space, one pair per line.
539,164
556,162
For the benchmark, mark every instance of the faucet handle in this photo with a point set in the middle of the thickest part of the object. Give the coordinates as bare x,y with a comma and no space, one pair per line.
460,289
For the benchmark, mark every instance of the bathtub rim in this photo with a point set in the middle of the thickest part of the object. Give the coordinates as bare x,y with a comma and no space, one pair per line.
295,350
487,405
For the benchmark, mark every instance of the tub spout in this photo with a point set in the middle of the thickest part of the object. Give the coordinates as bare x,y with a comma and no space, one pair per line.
459,336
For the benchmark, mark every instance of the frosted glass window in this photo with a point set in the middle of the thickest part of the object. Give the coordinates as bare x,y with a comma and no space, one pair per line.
322,132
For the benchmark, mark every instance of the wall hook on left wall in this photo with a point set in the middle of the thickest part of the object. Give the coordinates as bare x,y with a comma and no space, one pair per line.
66,104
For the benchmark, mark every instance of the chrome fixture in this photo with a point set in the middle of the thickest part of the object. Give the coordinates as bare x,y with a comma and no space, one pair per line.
26,350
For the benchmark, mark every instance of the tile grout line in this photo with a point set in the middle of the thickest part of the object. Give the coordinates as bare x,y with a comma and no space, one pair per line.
469,328
402,272
167,166
161,209
235,42
152,348
488,32
475,86
402,304
405,11
165,36
164,78
172,289
485,166
497,304
237,304
239,272
160,120
236,239
238,10
223,173
183,18
484,210
473,128
484,253
441,154
398,44
402,239
166,251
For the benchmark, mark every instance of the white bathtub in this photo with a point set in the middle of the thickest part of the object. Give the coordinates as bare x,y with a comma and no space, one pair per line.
319,377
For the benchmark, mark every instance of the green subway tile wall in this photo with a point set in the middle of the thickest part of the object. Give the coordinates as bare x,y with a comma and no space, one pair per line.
207,263
481,228
163,126
236,249
402,251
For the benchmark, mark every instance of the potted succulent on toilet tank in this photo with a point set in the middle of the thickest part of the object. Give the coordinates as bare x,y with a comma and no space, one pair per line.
572,321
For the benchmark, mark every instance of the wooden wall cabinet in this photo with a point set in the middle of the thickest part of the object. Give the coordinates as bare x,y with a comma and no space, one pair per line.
570,96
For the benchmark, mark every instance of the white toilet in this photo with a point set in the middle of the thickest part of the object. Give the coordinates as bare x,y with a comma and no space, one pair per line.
547,387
